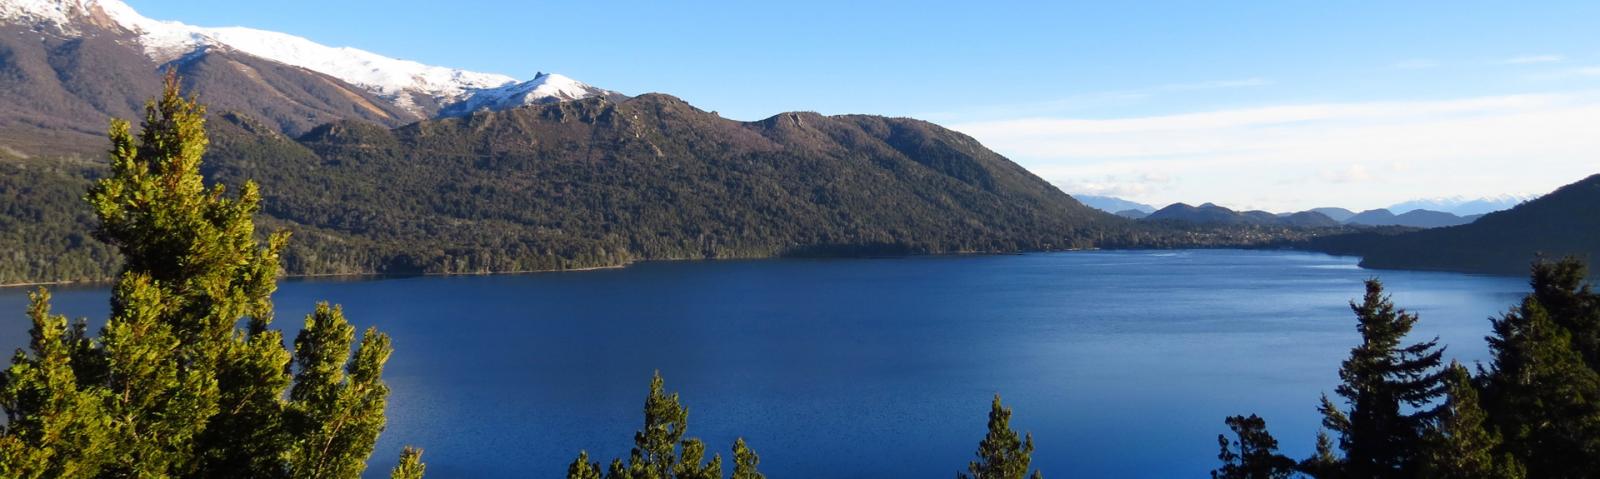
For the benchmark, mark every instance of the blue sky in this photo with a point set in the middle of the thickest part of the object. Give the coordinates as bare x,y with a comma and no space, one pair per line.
1277,105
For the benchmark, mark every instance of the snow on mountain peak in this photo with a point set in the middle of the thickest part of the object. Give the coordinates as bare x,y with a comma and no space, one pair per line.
393,79
55,13
543,88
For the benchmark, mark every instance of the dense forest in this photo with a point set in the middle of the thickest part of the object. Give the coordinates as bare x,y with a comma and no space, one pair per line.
599,182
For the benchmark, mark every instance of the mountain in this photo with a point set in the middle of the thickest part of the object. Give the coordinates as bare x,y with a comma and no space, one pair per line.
592,182
1413,218
1133,214
1337,214
67,66
1557,224
1308,219
1375,217
1211,214
1463,206
1112,204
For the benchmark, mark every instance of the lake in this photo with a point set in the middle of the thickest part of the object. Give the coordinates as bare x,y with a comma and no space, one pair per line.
1120,363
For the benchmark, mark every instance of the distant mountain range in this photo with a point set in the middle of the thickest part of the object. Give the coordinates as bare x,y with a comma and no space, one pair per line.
1337,214
1114,205
1463,206
1561,223
1211,214
1216,215
1413,218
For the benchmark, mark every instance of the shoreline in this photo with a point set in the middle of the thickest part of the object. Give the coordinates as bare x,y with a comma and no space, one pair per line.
357,276
339,275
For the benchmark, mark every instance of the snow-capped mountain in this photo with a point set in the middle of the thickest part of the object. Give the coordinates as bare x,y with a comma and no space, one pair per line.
1464,206
420,89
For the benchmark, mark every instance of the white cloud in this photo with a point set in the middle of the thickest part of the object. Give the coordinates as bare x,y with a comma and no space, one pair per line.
1094,99
1135,185
1529,59
1355,155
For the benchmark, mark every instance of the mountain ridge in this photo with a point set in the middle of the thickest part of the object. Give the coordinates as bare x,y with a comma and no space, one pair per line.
1557,224
419,89
600,182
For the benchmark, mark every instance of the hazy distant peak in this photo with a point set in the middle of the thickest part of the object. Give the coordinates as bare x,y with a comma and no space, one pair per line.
1464,206
1111,204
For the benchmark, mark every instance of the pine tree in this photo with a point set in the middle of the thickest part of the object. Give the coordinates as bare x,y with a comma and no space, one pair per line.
582,468
172,387
410,465
1254,455
690,467
336,406
1572,304
1380,379
665,422
1323,463
1542,396
656,453
53,430
1002,454
1459,446
745,462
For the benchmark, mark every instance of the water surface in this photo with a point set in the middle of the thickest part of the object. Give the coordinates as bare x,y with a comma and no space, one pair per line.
1121,364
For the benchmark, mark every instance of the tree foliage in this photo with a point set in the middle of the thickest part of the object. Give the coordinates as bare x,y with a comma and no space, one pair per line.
656,450
1461,445
1533,412
1002,454
1254,455
1387,386
1541,393
173,386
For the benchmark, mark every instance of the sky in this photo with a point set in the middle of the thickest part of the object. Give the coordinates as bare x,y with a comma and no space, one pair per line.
1281,105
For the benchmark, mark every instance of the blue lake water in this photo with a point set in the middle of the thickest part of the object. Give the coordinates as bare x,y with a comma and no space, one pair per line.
1121,364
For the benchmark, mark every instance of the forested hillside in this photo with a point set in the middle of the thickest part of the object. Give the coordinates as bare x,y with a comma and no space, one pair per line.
586,183
1561,223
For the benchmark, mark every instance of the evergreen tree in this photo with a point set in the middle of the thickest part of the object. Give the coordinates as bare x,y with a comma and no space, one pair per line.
690,467
1381,379
1459,446
410,466
1542,396
1572,304
1002,454
172,387
665,422
53,430
582,468
1254,455
336,406
1324,463
745,462
655,453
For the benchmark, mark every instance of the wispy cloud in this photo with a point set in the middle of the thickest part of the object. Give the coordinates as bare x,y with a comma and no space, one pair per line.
1212,85
1353,154
1532,59
1137,184
1588,71
1094,99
